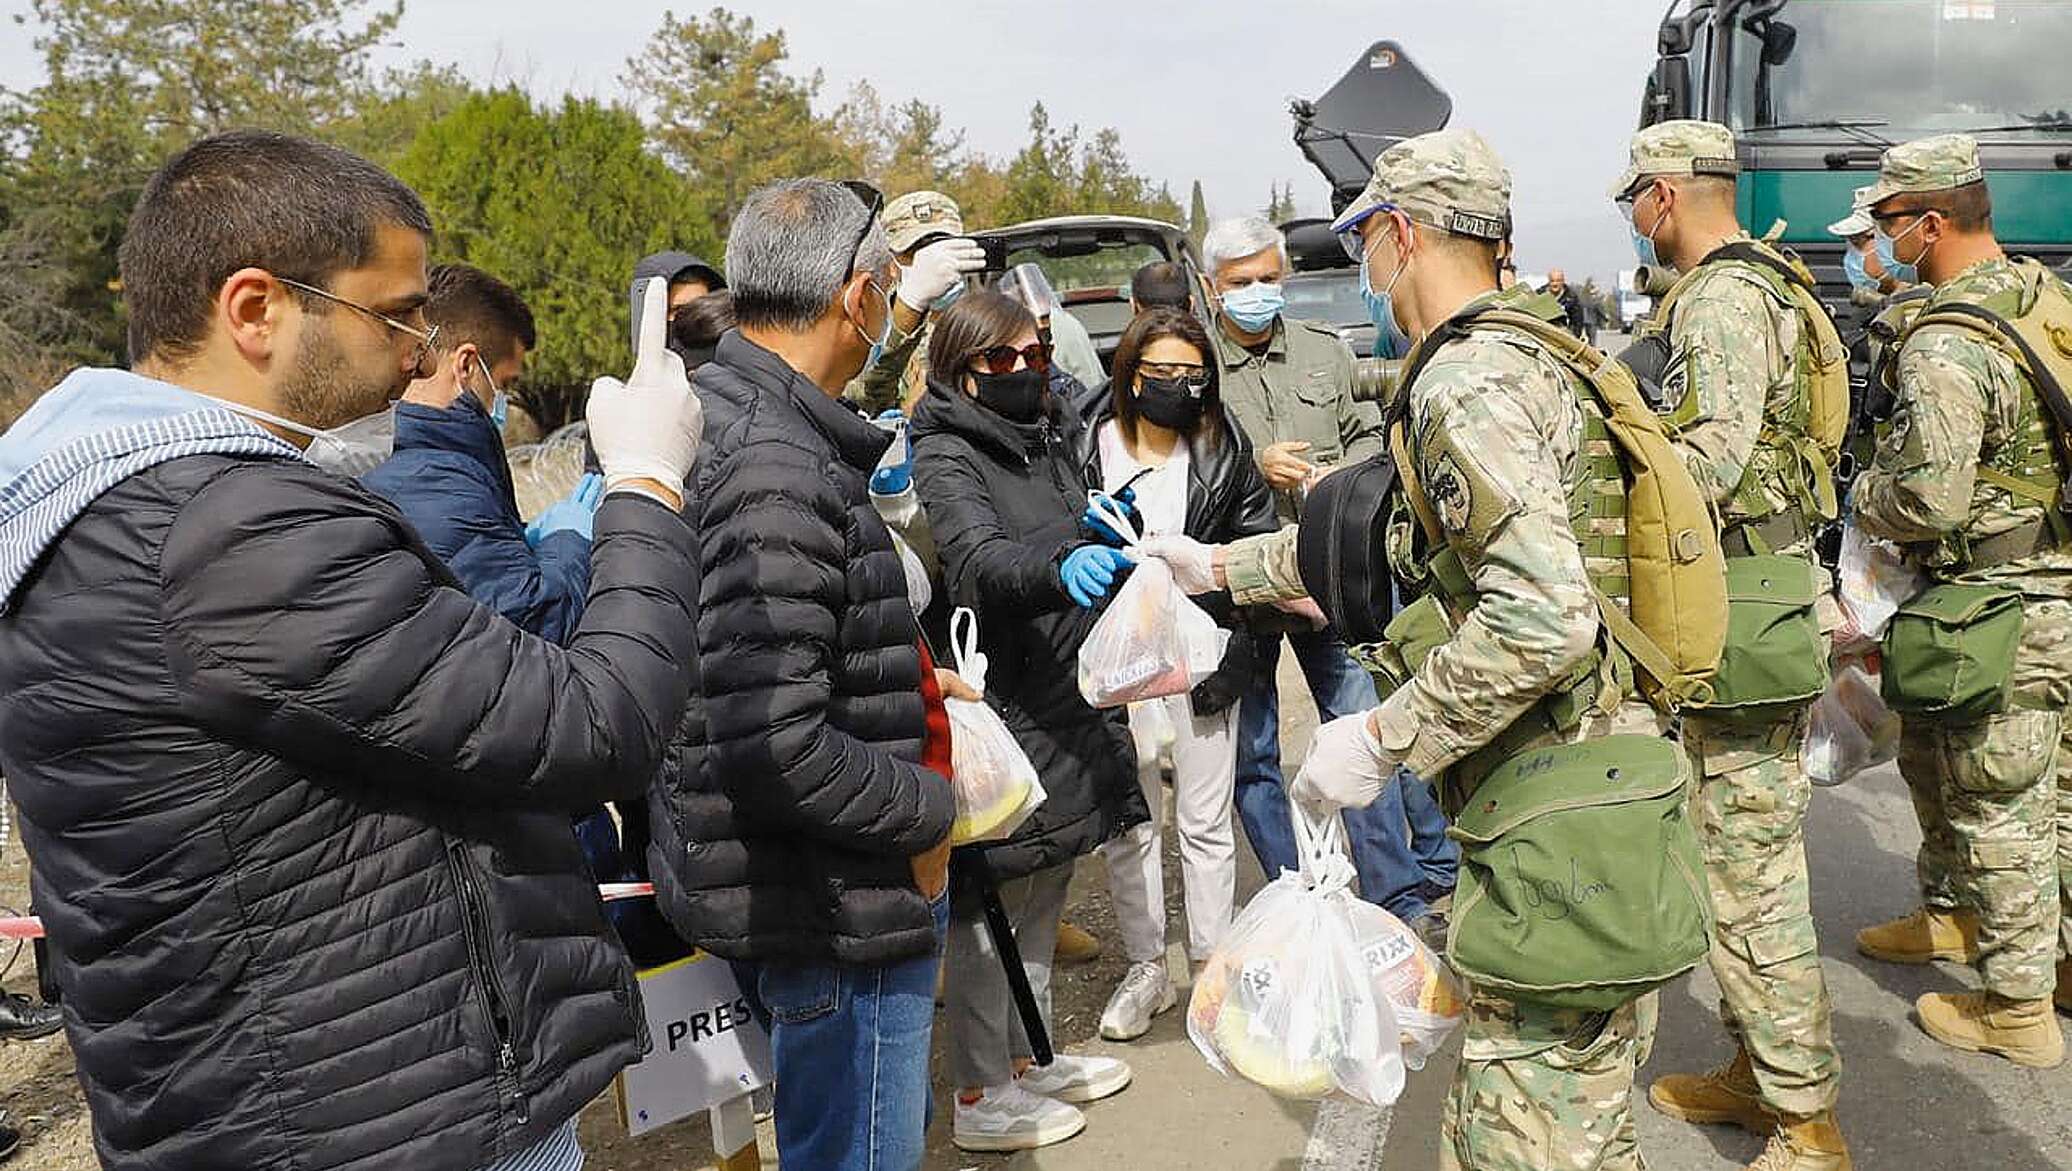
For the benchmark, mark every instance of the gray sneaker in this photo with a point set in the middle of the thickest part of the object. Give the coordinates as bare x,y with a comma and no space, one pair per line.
1145,992
1076,1079
1010,1118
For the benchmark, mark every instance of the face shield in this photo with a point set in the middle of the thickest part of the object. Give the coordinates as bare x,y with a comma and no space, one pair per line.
1026,283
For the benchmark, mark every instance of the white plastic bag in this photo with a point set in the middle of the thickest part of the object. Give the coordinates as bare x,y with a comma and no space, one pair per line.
1288,1000
1411,978
1874,580
1849,729
1152,641
992,778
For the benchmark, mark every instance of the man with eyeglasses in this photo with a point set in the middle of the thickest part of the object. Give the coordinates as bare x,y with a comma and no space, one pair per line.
297,805
801,826
1970,480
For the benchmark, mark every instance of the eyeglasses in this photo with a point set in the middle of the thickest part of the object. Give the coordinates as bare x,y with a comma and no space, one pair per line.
873,201
427,340
1904,212
1196,377
1002,359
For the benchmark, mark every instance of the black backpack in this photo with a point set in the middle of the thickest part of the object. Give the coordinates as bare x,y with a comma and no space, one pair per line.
1342,552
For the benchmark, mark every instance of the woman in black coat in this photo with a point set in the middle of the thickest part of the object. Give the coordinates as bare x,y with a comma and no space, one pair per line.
996,463
1159,431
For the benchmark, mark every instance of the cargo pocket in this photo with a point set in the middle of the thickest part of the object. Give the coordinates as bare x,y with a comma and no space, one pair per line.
2008,753
795,994
1778,943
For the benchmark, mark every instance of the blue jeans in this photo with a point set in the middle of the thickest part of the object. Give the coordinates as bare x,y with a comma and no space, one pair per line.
851,1050
1399,843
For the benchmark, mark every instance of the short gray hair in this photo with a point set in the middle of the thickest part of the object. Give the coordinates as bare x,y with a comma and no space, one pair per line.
788,252
1235,239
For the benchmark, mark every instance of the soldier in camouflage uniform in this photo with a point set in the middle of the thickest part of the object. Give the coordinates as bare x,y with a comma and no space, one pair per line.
912,222
1737,405
1957,481
1495,426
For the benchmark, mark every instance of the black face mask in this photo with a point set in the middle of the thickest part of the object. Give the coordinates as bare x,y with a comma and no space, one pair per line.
1169,403
1017,396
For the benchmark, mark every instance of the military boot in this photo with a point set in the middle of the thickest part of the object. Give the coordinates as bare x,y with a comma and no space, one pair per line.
2064,996
1926,935
2023,1031
1805,1144
1727,1094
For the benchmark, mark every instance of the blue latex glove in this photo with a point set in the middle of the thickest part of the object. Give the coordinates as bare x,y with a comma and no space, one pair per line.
1090,571
574,513
1094,525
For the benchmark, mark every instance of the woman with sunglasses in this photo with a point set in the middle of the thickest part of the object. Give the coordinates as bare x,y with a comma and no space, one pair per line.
997,467
1160,431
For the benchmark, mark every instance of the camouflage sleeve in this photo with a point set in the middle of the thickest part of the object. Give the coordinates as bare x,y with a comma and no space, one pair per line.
1726,356
1499,494
1920,483
878,388
1262,569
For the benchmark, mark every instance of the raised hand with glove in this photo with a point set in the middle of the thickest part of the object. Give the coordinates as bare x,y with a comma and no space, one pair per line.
645,430
1090,571
574,513
1346,767
938,271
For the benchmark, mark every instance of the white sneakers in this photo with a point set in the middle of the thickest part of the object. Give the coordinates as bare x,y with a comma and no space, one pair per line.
1145,992
1031,1111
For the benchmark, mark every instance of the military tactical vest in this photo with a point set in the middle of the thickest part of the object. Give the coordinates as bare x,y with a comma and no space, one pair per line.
1799,452
2032,325
1640,523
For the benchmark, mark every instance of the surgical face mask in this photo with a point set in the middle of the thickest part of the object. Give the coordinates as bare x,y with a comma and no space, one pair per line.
351,449
884,335
1172,403
1644,245
1904,273
1017,395
1390,339
499,402
1253,308
947,299
1852,264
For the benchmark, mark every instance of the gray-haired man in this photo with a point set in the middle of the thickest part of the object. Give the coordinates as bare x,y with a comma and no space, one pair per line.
806,778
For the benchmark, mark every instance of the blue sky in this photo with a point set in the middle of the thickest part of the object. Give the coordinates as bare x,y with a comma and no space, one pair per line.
1198,91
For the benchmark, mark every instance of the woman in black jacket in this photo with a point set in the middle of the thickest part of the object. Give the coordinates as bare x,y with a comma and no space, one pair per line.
1159,431
997,463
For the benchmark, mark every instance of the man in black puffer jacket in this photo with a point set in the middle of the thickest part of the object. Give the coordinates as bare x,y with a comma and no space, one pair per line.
798,830
298,807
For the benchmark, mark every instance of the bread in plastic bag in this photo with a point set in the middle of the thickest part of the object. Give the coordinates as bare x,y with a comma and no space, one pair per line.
1873,579
1287,1001
992,778
1427,998
1849,729
1152,641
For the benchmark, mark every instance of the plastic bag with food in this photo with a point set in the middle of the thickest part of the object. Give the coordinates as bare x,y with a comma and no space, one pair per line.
1427,998
1849,729
1873,580
994,783
1288,1001
1152,641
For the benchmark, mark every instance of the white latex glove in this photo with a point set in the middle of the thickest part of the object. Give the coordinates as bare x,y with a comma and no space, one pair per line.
937,268
1346,767
647,427
1193,563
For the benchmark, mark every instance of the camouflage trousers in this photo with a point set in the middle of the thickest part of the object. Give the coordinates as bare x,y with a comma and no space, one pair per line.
1750,813
1997,783
2065,840
1546,1089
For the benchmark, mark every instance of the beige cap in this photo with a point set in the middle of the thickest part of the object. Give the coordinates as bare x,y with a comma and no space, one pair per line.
1448,179
917,215
1681,146
1858,222
1926,164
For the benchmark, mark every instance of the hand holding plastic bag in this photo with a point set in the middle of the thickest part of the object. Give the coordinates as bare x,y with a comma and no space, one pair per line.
1289,1000
994,783
1152,641
1849,729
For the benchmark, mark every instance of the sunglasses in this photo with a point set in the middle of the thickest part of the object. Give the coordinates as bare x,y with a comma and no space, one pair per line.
873,201
1002,359
1196,378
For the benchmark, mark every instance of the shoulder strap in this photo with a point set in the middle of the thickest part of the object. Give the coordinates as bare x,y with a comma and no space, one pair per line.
1978,319
1406,471
1750,252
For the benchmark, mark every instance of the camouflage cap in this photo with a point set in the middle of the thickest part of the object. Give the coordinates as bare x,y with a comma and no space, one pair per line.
1682,146
917,215
1448,179
1858,222
1927,164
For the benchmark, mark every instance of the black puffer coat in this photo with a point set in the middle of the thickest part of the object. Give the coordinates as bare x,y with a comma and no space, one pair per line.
1004,501
1227,498
786,814
298,810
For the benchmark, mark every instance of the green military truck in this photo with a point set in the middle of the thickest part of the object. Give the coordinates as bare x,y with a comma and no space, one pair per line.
1816,89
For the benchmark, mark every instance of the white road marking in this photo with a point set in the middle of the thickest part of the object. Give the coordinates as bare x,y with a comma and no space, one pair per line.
1347,1136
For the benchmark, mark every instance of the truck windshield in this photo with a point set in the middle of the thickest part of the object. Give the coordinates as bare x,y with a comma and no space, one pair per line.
1917,66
